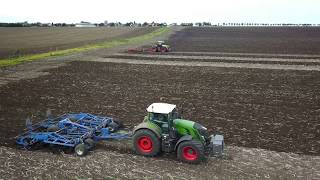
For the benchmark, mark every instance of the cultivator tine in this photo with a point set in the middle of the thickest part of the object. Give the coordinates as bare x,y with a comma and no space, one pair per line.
49,114
29,124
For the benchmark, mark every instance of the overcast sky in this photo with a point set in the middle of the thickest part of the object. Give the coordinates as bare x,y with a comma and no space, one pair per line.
72,11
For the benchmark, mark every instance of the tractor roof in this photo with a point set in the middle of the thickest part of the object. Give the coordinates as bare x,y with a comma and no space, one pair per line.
162,108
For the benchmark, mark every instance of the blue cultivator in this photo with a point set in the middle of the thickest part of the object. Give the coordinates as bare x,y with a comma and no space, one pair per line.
79,131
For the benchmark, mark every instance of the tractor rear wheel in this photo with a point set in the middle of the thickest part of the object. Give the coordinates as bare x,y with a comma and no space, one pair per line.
164,49
191,151
146,143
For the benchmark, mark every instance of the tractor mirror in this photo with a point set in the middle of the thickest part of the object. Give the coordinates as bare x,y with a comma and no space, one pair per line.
180,115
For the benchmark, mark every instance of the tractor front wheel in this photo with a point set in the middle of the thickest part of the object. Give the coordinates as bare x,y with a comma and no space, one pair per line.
191,151
146,143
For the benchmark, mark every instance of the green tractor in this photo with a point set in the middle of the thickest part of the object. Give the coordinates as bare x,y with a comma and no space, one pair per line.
163,130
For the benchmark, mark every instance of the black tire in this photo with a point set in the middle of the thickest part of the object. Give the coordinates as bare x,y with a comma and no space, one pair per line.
191,151
146,143
81,149
27,144
113,127
89,143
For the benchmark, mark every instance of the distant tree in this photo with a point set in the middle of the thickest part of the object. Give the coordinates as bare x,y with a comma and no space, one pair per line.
186,24
112,24
11,24
128,24
198,24
206,24
145,24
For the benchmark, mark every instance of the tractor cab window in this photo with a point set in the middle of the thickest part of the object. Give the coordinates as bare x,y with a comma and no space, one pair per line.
159,117
161,120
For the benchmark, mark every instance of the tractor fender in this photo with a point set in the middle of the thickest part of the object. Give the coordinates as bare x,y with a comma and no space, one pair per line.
183,138
150,126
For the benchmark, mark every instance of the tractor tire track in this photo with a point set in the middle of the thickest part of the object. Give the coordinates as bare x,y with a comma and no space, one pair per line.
200,58
211,64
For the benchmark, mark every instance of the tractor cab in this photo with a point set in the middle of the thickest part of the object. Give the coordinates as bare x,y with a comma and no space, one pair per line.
162,114
161,46
160,43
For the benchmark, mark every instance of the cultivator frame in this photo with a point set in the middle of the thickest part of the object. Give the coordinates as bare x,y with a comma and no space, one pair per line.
79,130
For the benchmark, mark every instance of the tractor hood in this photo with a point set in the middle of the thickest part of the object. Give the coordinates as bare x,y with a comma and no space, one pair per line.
183,123
194,129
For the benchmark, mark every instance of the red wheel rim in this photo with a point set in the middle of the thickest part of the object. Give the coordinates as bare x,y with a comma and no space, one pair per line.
189,153
145,144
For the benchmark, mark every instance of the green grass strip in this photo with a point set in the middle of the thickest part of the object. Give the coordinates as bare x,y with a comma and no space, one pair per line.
108,44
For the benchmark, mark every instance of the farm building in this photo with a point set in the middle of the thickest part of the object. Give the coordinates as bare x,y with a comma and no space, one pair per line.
85,24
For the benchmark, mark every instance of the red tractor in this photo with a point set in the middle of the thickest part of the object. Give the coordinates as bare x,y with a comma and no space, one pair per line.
160,46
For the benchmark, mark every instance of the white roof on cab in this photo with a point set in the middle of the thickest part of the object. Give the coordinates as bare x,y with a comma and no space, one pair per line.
162,108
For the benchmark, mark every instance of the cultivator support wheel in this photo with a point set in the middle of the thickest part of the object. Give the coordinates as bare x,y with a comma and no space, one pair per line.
81,149
114,126
26,143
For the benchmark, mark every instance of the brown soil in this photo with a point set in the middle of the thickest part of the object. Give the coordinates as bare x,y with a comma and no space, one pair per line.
252,60
270,109
20,41
283,40
103,163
